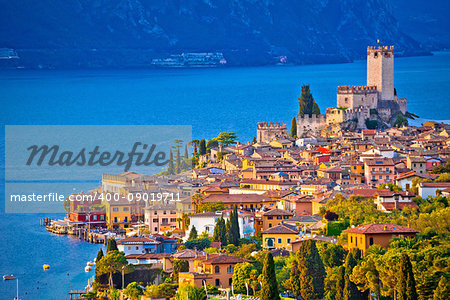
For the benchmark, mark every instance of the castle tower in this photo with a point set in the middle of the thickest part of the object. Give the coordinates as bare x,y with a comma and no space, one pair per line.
380,70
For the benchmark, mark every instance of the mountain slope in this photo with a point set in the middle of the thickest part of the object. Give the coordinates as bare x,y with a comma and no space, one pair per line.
120,33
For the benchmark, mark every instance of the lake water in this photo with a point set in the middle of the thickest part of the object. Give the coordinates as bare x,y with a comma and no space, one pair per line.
211,100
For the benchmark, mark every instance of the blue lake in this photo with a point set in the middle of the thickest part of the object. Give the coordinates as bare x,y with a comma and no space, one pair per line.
211,100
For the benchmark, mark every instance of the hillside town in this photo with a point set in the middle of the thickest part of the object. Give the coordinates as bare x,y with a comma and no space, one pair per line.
331,209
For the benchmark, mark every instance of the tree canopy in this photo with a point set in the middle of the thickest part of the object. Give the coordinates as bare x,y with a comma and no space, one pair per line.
307,104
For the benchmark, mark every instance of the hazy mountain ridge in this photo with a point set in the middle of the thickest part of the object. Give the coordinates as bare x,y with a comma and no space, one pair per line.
121,33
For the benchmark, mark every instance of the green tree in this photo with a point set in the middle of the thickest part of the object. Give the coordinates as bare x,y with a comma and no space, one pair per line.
198,244
133,291
351,291
234,234
406,281
401,121
293,283
443,289
179,265
312,271
170,164
188,292
334,283
114,294
294,128
269,287
111,245
241,275
212,143
307,104
444,177
193,234
226,139
332,254
210,206
220,232
391,186
202,147
102,279
113,262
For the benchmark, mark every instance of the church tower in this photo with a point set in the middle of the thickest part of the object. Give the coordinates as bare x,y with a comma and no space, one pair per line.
380,70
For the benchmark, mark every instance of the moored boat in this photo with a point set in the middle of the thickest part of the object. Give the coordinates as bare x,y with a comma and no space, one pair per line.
8,277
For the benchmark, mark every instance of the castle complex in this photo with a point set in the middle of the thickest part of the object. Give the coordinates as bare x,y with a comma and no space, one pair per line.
267,132
355,104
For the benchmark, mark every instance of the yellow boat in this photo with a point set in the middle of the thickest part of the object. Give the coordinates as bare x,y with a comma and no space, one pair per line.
46,267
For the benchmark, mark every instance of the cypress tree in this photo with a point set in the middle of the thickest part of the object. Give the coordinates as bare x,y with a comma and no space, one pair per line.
178,161
294,279
111,245
193,234
351,291
234,227
294,128
254,140
170,166
306,103
202,147
340,284
312,271
227,228
102,279
220,232
269,288
406,282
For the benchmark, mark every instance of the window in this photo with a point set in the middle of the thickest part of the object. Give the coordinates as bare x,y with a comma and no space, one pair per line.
270,218
230,269
129,248
279,217
371,241
164,212
115,219
115,209
230,281
126,219
156,228
156,212
351,239
217,282
137,248
173,219
288,241
125,208
155,220
280,241
217,269
270,225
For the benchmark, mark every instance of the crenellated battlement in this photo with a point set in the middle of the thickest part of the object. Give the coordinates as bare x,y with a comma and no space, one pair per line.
380,49
356,89
271,125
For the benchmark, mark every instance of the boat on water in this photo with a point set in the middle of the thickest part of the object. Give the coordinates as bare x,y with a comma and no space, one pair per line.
90,263
87,268
46,267
8,277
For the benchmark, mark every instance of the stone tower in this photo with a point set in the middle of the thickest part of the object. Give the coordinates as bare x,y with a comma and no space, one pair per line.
380,70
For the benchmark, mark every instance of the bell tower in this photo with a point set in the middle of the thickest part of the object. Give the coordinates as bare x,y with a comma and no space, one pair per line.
380,70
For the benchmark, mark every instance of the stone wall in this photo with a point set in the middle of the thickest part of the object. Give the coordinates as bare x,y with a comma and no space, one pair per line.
266,132
310,125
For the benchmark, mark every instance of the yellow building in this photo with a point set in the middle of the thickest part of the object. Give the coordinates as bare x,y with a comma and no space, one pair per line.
119,211
279,237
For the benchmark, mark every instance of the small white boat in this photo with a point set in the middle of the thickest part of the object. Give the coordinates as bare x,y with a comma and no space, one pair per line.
8,277
90,263
87,268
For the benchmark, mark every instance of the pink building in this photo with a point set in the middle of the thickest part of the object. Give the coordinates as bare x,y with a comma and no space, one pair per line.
377,171
161,218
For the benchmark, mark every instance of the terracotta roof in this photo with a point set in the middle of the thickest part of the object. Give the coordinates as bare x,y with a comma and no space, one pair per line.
367,193
188,253
380,229
237,198
389,206
277,212
380,162
216,259
435,184
148,256
388,193
281,229
137,240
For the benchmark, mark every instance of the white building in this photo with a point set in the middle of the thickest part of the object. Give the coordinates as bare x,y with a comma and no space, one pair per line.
205,222
429,188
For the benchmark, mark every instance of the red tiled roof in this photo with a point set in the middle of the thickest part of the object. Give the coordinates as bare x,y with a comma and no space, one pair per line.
380,229
237,198
216,259
277,212
281,229
435,184
388,193
367,193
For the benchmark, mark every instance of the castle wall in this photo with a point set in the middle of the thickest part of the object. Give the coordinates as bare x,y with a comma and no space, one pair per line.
267,132
308,126
380,70
337,116
357,96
